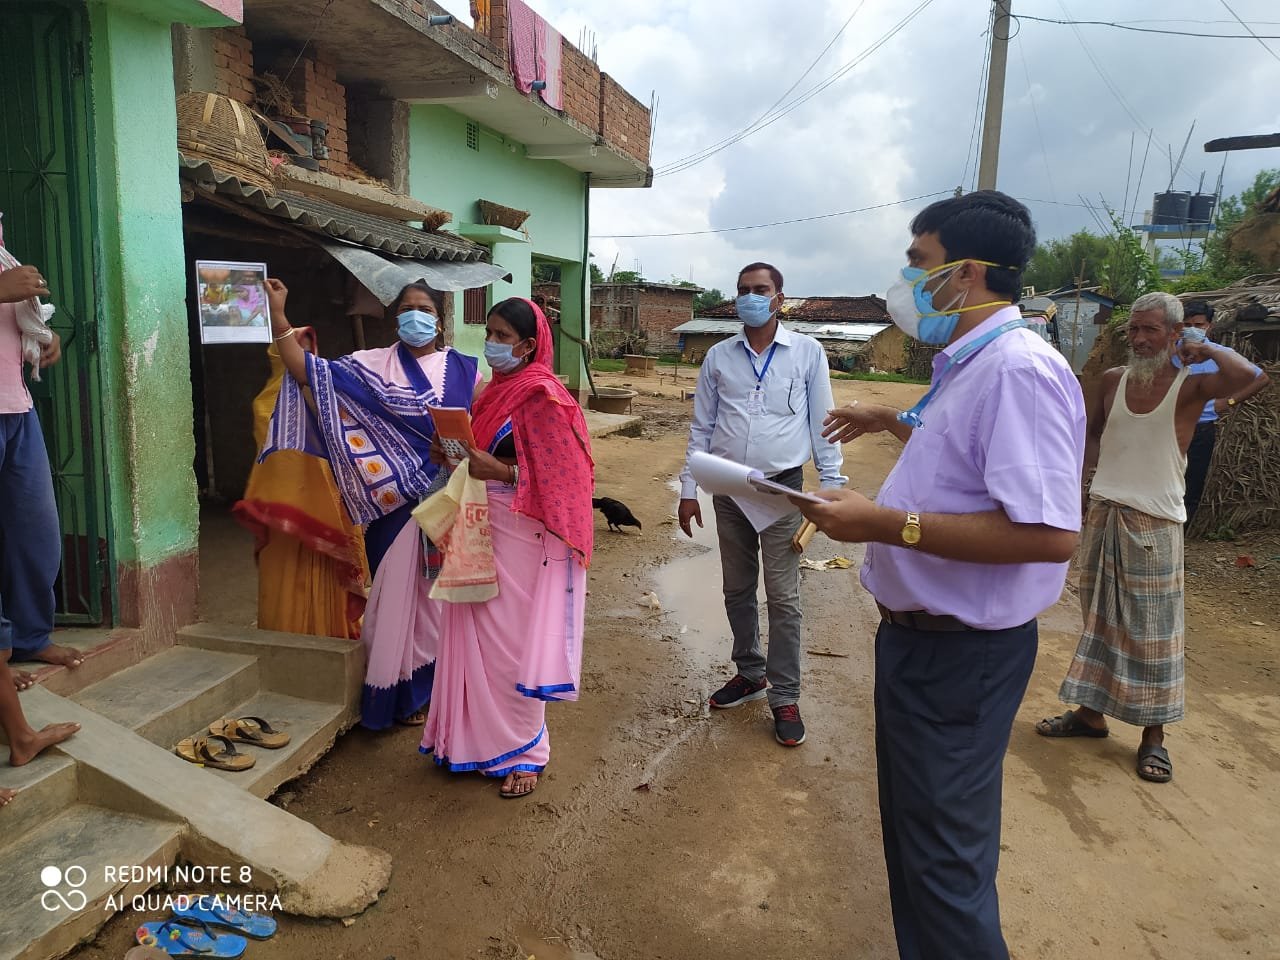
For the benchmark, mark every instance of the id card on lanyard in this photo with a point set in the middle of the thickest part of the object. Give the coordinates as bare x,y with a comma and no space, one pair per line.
755,401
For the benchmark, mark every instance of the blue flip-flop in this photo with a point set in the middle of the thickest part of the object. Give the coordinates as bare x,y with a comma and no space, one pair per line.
180,940
205,910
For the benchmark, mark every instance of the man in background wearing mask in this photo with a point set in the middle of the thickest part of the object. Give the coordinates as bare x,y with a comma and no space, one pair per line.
968,542
1199,314
761,400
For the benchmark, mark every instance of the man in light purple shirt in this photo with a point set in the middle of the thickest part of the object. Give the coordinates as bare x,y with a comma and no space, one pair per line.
968,542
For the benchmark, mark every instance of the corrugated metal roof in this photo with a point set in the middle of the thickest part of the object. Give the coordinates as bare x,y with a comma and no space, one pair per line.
817,309
330,220
849,332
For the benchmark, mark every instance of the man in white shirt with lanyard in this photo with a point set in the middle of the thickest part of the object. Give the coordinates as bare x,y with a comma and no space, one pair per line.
761,400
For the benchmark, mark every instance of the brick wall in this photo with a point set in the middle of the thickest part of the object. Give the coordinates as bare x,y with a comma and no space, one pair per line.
581,87
233,64
654,312
317,95
624,120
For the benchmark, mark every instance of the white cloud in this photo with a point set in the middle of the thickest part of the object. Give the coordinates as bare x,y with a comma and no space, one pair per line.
900,124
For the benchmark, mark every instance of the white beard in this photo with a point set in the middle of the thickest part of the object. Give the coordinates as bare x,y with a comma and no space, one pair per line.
1143,370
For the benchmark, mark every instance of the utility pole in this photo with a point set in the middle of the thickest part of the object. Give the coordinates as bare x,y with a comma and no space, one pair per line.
995,95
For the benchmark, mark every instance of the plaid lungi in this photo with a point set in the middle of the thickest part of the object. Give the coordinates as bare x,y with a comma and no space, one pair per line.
1129,663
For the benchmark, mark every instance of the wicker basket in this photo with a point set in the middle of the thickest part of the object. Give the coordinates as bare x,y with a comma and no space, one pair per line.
222,131
496,215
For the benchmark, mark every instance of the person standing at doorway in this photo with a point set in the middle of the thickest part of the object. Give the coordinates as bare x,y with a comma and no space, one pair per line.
1199,314
761,400
30,538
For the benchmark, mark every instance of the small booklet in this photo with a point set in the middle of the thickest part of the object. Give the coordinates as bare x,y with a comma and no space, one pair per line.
717,475
453,427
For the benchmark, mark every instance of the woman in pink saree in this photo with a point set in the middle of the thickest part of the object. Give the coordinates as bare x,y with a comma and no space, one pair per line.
500,662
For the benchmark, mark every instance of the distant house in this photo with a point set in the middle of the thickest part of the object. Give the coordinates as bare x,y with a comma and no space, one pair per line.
648,311
1078,326
843,325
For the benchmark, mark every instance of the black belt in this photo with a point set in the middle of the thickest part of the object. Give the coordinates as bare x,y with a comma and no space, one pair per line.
919,620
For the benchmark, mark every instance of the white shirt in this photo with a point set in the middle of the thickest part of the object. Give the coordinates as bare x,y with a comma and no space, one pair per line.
780,430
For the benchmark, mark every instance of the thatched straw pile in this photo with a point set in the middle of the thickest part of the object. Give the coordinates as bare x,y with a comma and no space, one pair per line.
1242,493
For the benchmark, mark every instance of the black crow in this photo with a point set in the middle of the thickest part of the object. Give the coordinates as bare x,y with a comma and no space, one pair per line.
616,512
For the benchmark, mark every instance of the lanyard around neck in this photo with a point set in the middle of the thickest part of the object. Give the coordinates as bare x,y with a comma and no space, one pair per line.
767,360
912,417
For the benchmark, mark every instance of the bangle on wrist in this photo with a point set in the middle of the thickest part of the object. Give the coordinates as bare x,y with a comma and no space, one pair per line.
515,476
288,333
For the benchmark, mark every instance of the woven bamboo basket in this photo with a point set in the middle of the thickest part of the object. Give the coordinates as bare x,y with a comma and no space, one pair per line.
222,131
496,215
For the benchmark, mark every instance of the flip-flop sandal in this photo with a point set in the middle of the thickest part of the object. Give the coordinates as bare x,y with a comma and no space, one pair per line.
205,910
1157,757
1069,725
217,752
179,940
413,720
512,795
251,730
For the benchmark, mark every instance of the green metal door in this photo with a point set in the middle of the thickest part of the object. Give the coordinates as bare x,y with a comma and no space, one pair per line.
45,197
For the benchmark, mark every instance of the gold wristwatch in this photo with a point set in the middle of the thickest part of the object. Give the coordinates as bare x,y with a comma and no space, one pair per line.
911,530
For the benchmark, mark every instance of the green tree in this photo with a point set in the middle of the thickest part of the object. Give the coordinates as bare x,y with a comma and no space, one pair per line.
626,276
546,273
597,275
707,299
1056,263
1127,272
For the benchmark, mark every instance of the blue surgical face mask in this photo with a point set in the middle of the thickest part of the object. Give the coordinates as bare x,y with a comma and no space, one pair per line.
500,357
754,309
417,327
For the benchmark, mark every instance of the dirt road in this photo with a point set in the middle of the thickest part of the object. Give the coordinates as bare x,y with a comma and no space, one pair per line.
662,832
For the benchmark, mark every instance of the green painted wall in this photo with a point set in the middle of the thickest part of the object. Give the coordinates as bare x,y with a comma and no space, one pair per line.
141,285
446,173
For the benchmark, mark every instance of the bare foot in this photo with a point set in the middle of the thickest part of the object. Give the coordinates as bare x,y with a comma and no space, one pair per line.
26,748
23,680
6,796
519,783
59,655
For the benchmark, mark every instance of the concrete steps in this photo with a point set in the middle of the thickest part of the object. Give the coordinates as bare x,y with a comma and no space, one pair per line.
167,696
45,786
312,727
38,925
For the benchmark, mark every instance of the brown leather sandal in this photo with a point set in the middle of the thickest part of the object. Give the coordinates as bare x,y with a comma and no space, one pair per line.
251,730
217,752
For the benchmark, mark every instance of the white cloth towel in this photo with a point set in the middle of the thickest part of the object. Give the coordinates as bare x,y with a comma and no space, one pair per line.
33,321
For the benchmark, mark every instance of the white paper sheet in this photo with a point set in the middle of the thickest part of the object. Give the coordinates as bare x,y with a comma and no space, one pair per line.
762,501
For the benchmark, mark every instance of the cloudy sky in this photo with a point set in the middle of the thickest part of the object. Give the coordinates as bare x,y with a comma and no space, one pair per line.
899,125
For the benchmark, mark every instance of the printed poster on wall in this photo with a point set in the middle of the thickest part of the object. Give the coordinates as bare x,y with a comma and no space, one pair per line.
233,302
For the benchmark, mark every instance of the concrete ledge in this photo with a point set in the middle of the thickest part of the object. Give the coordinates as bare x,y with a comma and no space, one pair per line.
315,875
607,424
291,663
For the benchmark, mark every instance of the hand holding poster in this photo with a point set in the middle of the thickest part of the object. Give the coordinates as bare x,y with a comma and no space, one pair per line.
232,298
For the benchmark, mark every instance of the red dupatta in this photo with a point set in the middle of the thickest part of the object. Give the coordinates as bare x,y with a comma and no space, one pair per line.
553,446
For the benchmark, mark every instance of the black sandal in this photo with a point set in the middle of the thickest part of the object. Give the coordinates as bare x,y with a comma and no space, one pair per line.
1069,724
1158,758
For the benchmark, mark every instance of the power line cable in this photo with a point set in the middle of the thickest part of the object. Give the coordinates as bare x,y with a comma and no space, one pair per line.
808,95
790,90
1122,25
776,223
1275,56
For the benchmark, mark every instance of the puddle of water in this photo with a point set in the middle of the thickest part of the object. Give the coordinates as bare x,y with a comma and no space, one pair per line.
545,947
691,590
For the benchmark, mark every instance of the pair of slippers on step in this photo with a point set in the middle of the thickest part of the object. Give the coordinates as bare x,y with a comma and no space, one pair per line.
218,750
201,927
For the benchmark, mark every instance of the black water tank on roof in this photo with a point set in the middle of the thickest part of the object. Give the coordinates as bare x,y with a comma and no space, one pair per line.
1202,205
1171,209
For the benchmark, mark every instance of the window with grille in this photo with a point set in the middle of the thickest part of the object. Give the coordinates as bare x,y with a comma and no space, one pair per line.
475,305
473,136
